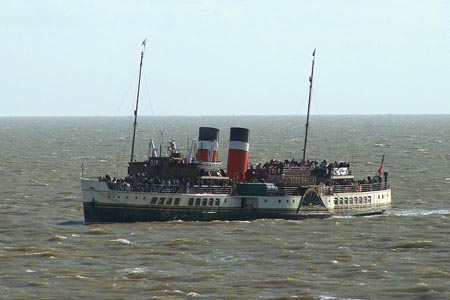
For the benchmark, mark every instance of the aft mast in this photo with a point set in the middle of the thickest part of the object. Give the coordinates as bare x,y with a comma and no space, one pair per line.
137,101
309,106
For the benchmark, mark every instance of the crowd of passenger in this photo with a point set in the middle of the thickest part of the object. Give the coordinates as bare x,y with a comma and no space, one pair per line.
276,167
256,173
140,182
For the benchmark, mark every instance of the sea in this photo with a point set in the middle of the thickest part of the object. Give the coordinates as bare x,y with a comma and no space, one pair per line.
47,252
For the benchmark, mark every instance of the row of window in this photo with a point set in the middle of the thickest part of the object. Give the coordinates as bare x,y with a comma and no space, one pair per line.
351,200
204,201
156,201
164,201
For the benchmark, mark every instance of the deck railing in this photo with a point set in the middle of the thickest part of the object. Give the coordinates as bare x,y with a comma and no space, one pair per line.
197,189
366,187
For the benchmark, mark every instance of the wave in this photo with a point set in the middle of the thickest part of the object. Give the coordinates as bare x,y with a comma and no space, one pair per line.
415,213
122,241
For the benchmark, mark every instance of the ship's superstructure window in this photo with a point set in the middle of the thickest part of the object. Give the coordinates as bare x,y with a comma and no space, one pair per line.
336,201
217,202
177,201
161,201
153,201
198,201
211,202
204,201
191,201
169,201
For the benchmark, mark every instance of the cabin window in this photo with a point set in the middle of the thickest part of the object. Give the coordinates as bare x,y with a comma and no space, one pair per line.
365,199
197,201
370,199
161,201
204,201
191,201
225,201
265,200
169,201
153,201
336,201
360,200
211,202
341,201
279,201
177,201
351,200
346,200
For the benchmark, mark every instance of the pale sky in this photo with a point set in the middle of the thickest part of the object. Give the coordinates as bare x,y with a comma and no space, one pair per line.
80,58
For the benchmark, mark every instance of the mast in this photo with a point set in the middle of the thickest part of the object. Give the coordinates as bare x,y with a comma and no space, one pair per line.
137,101
309,105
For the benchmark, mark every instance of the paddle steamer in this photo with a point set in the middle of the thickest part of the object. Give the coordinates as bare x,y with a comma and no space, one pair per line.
196,187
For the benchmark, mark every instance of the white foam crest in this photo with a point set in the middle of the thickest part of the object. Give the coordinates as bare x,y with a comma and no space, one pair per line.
414,213
136,270
122,241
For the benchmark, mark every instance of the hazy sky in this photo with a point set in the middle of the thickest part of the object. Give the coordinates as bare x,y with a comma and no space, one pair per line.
80,58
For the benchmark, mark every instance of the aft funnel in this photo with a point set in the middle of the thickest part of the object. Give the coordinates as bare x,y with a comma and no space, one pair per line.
238,153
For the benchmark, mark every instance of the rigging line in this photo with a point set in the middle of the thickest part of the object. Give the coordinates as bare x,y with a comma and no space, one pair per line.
127,91
301,104
148,94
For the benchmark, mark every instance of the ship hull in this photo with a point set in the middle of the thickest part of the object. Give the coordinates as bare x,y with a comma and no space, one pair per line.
102,205
109,214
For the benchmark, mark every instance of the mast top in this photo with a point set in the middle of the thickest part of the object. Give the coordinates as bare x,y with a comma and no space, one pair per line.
144,42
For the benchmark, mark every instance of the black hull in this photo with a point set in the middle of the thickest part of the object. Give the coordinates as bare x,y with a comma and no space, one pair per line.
108,214
113,214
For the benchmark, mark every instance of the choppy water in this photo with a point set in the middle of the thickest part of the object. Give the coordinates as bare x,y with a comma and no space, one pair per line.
46,252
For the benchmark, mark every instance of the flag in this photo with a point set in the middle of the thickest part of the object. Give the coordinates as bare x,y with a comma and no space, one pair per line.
144,42
380,169
314,52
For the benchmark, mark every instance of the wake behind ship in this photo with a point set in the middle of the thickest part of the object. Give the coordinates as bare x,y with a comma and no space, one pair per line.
196,187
